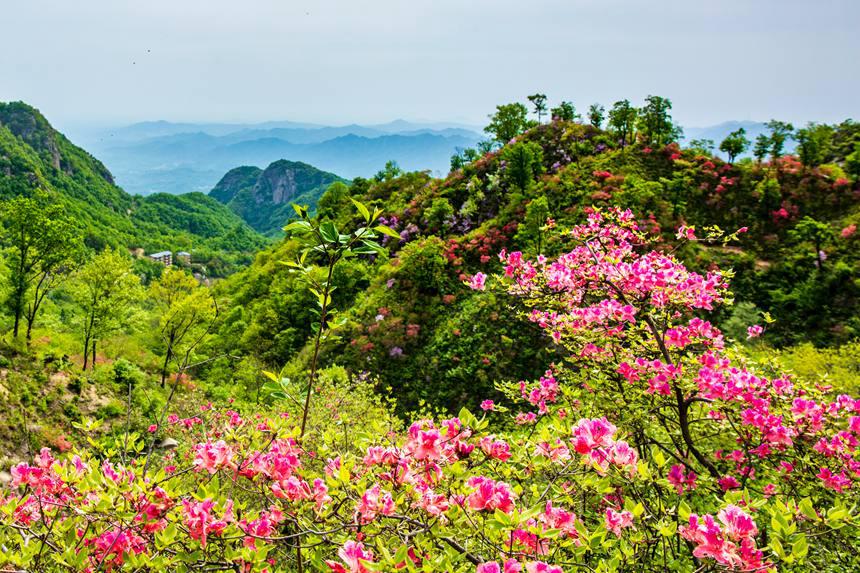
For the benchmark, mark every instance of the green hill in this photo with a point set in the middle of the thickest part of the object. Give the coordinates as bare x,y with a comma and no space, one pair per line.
410,321
33,155
262,197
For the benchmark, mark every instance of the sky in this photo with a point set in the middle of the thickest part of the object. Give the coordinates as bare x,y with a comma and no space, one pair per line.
112,62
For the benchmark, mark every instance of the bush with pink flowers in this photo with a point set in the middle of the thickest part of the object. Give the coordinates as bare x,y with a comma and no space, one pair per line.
650,445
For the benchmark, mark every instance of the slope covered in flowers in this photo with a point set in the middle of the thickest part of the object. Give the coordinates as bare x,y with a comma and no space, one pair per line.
411,326
649,445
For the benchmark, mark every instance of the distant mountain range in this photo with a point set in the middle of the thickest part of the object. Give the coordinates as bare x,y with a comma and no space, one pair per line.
33,155
176,158
161,156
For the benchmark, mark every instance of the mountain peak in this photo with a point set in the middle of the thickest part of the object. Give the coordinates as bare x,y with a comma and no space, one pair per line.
262,196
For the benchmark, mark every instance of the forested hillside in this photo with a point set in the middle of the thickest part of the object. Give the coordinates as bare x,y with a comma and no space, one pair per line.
409,321
262,197
586,348
34,156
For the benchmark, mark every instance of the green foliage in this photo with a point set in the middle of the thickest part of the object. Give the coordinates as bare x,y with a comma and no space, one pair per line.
852,162
106,293
322,239
538,101
389,172
622,121
523,163
262,198
596,115
813,144
35,157
509,121
655,122
839,367
186,312
735,144
565,111
762,147
42,246
780,132
534,224
705,146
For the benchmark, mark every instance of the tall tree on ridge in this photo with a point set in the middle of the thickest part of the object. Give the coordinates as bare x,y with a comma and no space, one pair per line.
539,103
622,121
735,143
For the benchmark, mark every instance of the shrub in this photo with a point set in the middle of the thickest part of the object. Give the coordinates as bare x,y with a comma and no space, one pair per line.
653,446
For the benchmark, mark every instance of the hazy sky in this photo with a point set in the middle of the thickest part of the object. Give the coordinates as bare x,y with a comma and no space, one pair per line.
340,61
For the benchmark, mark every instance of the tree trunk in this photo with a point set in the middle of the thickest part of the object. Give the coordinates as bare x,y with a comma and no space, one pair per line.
166,361
94,354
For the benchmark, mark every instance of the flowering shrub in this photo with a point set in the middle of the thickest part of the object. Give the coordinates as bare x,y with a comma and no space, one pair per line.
651,446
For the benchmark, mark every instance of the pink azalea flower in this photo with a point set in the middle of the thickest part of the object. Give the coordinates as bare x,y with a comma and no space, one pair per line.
353,555
754,331
490,495
617,520
478,281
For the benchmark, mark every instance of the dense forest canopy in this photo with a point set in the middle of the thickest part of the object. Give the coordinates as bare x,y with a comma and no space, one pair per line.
586,348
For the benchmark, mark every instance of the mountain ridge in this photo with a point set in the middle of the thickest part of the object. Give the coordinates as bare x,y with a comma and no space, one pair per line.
262,197
35,156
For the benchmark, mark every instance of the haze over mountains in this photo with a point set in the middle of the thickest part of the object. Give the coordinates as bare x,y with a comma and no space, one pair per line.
170,157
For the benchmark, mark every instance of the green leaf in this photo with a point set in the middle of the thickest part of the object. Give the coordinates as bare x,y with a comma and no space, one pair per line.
466,417
777,548
329,232
684,511
800,547
300,211
385,230
297,226
361,209
807,509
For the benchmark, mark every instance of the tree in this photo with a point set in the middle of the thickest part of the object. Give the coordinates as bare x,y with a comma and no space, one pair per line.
486,146
770,195
815,232
565,111
735,144
852,162
390,171
702,145
814,143
107,292
523,163
780,132
532,229
509,121
186,312
622,121
762,147
596,115
336,197
539,103
43,246
464,157
325,240
656,122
